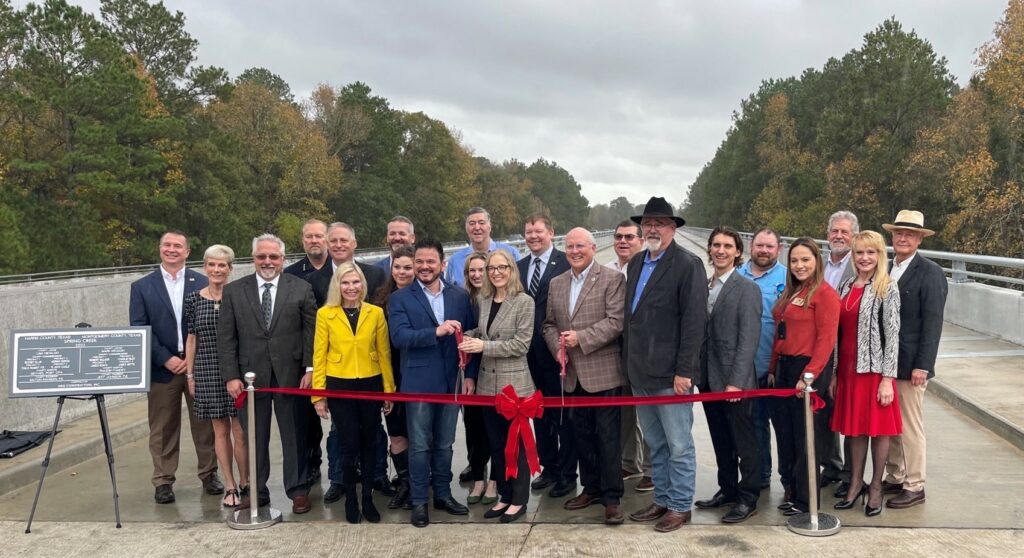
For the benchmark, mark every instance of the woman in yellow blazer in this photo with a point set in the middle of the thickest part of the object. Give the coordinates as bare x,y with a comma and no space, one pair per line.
351,351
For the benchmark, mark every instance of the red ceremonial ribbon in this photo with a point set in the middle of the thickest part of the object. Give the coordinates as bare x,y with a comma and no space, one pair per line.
519,410
463,356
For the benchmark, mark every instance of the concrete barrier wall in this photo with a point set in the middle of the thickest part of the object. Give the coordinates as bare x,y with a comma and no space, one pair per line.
101,301
990,310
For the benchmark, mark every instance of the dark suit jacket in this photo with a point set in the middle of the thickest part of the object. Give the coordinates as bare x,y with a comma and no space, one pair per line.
151,305
733,331
539,357
302,268
245,344
662,339
429,364
923,289
321,280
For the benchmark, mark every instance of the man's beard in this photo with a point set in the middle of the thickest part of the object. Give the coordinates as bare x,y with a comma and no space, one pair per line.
654,244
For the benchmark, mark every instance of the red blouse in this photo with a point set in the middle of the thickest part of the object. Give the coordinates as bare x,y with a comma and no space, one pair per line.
811,329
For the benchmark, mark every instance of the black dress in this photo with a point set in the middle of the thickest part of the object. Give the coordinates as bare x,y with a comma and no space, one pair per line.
212,398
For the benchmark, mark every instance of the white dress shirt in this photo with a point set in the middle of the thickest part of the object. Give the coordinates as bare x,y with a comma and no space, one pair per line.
899,268
175,285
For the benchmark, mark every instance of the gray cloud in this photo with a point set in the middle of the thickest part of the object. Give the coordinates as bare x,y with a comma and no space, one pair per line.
632,98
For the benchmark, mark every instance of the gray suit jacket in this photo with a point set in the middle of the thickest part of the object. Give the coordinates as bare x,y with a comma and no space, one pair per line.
597,320
734,329
245,344
506,343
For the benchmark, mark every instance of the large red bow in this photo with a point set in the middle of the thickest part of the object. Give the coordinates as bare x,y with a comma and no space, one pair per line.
519,411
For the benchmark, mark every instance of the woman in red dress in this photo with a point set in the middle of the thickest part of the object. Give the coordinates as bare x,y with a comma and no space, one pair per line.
865,401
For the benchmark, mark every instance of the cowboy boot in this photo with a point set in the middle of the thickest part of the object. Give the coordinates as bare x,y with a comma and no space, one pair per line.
401,497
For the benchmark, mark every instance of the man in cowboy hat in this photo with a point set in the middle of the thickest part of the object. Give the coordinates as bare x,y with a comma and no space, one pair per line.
923,288
666,308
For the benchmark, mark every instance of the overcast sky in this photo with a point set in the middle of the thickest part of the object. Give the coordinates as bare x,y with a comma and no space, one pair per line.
632,98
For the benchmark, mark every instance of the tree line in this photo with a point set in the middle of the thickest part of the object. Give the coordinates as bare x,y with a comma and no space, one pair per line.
112,133
881,129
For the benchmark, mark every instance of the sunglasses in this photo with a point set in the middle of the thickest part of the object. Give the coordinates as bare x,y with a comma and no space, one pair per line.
626,237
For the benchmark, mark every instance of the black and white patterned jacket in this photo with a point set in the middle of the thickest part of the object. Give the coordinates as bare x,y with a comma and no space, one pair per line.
878,329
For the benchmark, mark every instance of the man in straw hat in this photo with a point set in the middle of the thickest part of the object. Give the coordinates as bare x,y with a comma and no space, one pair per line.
666,308
923,290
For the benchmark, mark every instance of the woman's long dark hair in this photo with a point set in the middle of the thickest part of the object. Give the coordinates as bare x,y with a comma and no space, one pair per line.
380,297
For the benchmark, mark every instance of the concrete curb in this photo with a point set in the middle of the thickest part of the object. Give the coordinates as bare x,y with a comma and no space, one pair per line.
990,420
66,457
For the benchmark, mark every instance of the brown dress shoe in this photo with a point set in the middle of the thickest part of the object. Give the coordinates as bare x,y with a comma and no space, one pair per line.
613,515
645,485
650,513
906,499
581,501
672,521
300,504
892,487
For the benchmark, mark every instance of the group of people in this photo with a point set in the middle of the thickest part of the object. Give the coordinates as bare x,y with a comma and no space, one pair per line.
650,323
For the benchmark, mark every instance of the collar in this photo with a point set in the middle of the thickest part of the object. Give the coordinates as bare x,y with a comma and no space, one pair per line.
544,257
260,281
842,262
905,262
334,266
748,269
723,278
430,292
167,274
647,256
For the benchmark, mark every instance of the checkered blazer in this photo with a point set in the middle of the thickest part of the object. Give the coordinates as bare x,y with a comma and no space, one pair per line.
597,320
503,361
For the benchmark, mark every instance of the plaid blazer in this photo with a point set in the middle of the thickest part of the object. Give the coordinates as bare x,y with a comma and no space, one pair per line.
506,343
597,320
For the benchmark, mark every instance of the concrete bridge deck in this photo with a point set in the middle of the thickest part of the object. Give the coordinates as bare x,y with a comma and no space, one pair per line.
975,496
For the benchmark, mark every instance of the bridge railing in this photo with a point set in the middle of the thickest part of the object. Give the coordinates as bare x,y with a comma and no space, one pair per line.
603,239
996,269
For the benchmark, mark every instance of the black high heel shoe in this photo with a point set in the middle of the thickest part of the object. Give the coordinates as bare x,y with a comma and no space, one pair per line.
848,504
868,510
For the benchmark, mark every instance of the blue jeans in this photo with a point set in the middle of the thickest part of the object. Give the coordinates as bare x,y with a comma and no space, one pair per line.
667,431
431,435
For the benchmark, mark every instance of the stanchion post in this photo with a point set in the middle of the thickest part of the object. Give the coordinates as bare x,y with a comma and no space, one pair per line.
257,517
812,523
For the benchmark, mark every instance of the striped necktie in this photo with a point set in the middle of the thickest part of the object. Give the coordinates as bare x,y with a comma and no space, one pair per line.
268,304
535,280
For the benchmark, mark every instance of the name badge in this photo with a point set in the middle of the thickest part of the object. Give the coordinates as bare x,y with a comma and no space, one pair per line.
799,302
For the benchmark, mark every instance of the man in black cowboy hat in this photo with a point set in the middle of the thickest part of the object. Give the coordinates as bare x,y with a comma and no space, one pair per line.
923,291
666,308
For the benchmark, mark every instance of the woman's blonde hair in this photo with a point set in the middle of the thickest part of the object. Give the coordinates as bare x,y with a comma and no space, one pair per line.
871,239
334,291
514,286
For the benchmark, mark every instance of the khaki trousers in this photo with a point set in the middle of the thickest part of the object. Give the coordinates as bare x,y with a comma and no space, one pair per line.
906,462
165,431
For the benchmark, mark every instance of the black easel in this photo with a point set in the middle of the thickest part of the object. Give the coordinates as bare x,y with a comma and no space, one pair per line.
101,407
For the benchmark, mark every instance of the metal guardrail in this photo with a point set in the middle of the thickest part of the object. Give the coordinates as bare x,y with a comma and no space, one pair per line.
958,262
603,238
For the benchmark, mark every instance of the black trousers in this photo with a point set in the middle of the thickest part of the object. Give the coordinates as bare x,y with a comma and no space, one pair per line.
477,445
292,414
832,458
358,425
314,437
515,491
790,426
597,431
556,444
737,452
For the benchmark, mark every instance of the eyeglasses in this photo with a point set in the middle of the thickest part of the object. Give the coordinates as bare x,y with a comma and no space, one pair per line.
576,247
655,224
498,268
271,257
626,237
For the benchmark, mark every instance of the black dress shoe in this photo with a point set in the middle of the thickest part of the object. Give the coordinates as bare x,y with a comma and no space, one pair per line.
450,505
842,490
212,485
466,475
739,513
510,517
491,513
333,493
164,494
314,477
825,481
384,486
793,510
542,482
562,488
419,517
719,499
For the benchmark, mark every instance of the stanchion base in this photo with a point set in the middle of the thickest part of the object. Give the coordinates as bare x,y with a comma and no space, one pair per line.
801,525
265,517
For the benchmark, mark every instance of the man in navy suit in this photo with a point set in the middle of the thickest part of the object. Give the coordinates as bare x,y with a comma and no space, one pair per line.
555,445
423,319
157,301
